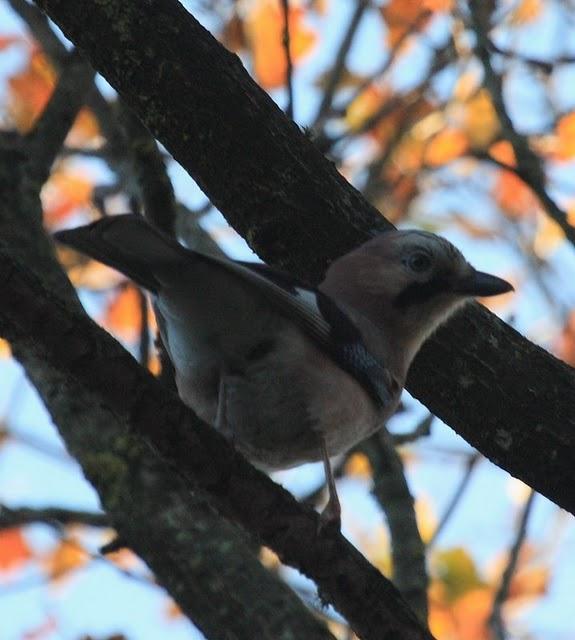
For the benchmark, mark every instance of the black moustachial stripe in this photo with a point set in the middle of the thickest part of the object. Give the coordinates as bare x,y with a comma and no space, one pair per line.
420,292
351,354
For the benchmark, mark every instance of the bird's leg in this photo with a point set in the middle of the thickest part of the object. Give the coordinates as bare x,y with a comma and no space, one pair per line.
330,517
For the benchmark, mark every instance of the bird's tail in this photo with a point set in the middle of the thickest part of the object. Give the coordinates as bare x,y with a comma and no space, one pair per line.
130,245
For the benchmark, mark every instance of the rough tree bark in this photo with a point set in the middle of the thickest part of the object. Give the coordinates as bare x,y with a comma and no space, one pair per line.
506,396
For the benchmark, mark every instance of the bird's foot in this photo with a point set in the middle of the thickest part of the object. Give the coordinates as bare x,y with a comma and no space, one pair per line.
330,517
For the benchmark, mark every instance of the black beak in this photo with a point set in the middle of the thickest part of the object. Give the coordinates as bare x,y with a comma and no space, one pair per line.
482,284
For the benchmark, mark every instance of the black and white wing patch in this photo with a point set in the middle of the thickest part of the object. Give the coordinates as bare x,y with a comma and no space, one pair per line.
351,354
329,326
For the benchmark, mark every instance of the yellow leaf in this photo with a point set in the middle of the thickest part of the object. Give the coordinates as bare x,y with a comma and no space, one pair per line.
447,145
456,570
358,465
480,121
269,559
68,556
426,518
548,236
364,106
5,351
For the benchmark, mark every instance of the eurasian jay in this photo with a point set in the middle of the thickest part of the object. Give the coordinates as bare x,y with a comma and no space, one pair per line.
289,373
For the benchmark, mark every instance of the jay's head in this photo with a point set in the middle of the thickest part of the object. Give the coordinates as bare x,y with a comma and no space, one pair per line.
408,282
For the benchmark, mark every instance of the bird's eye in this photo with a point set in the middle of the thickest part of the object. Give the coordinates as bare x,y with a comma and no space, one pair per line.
419,262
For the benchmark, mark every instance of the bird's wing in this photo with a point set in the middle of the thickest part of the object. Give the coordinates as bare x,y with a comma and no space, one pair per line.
329,326
145,254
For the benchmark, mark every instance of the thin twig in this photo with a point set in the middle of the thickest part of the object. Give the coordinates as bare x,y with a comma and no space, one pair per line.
53,516
384,68
339,65
144,346
456,498
496,623
545,65
529,166
392,493
422,429
289,64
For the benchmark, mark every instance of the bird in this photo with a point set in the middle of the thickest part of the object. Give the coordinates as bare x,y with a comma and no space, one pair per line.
287,372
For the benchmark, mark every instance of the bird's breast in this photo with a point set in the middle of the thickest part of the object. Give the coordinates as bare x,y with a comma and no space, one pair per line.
278,400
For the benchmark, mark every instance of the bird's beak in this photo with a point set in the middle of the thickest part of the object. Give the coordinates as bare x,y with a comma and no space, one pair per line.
482,284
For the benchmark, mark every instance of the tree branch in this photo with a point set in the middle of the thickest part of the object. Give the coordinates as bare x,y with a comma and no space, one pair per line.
529,166
339,65
510,399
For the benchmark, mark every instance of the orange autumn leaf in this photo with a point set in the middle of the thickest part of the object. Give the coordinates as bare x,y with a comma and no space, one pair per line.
5,351
401,16
526,11
441,622
529,583
173,612
565,143
68,556
471,614
87,273
513,196
447,145
14,550
502,151
565,346
63,193
264,28
30,90
233,36
85,129
123,315
8,41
